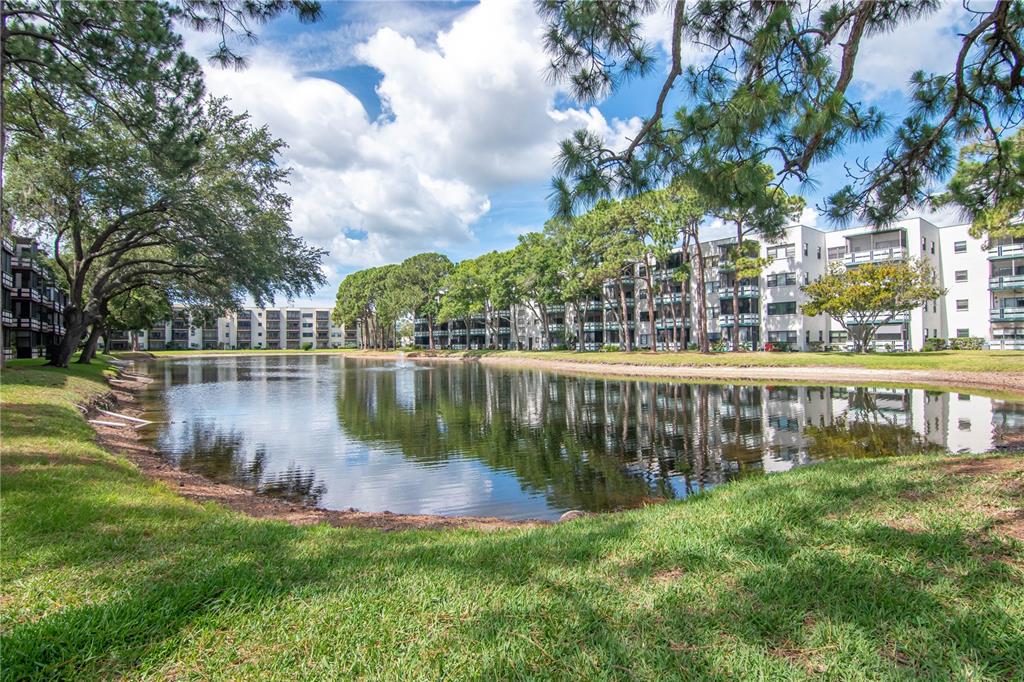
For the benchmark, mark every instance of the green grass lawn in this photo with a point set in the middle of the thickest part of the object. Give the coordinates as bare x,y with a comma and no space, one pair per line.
962,361
880,569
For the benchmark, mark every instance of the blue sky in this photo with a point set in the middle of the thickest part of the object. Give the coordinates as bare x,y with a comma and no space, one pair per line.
431,126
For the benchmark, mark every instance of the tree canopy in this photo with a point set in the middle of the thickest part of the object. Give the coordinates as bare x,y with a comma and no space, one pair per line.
863,298
771,85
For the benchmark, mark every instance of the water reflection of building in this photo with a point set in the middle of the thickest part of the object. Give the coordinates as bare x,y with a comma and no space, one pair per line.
585,442
393,435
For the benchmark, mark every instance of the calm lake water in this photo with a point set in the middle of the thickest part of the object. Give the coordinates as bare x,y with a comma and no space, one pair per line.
465,439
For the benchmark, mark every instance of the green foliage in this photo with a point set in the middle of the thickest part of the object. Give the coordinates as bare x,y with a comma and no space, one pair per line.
212,231
863,298
988,187
966,343
776,90
934,344
307,345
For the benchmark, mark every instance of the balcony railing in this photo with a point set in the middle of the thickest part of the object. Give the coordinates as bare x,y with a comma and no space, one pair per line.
875,256
8,280
7,318
1006,314
27,263
25,292
30,323
1007,282
746,320
746,291
900,318
1006,251
8,245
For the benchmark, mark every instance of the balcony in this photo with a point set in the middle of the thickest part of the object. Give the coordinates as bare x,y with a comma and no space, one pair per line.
1006,251
676,297
1006,314
26,293
7,318
8,245
900,318
30,323
555,309
27,263
874,256
594,305
593,326
1007,282
8,280
746,291
746,320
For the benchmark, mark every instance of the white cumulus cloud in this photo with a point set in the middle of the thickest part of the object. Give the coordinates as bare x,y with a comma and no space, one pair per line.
465,114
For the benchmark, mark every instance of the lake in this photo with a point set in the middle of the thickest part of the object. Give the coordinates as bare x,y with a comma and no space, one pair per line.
461,438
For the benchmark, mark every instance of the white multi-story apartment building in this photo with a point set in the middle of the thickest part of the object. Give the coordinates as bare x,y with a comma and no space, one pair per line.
268,328
984,299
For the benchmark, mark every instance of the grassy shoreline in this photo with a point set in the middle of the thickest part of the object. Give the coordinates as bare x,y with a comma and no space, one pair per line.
954,361
881,569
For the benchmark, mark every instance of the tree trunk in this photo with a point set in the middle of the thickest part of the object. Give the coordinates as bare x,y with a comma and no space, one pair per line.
580,317
627,338
702,302
545,330
430,331
650,310
91,343
76,325
736,290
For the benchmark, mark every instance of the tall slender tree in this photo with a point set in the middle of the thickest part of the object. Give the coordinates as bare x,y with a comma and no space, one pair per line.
773,84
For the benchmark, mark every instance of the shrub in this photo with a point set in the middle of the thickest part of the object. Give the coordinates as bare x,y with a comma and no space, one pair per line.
966,343
934,344
308,345
718,346
610,348
816,346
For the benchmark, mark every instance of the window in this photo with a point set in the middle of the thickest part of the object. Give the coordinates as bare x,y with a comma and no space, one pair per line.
782,251
961,275
963,333
821,335
836,252
961,304
782,337
819,253
933,246
784,308
807,278
838,337
959,247
782,279
805,248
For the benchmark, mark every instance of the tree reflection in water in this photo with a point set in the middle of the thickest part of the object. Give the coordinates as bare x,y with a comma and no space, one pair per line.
473,439
219,455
